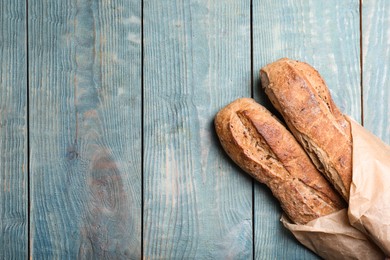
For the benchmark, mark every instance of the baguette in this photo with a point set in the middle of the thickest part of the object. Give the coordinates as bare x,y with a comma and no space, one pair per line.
264,148
301,96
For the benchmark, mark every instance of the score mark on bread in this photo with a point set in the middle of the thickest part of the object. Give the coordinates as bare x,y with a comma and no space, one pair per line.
300,94
264,148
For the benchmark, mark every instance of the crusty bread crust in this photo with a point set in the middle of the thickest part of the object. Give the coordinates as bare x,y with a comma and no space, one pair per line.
265,149
300,94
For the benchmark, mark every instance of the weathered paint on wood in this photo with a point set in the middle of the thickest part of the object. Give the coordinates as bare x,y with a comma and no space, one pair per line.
197,204
85,126
13,131
326,35
376,67
85,120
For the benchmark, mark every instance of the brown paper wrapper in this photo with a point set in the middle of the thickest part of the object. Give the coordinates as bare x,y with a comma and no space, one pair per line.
369,202
332,237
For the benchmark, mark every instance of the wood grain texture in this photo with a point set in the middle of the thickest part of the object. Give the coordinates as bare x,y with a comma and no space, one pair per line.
326,35
197,204
13,131
85,126
376,67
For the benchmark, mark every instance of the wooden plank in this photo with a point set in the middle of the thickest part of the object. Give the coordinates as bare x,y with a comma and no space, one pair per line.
197,204
85,107
13,131
326,35
376,67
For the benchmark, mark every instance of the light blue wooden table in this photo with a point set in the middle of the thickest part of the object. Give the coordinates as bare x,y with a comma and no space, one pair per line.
107,145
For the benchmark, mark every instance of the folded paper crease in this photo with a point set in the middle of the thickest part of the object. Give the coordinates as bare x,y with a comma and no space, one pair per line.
344,234
369,202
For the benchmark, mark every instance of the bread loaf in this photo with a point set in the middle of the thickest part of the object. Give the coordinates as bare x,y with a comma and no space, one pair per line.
265,149
301,96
